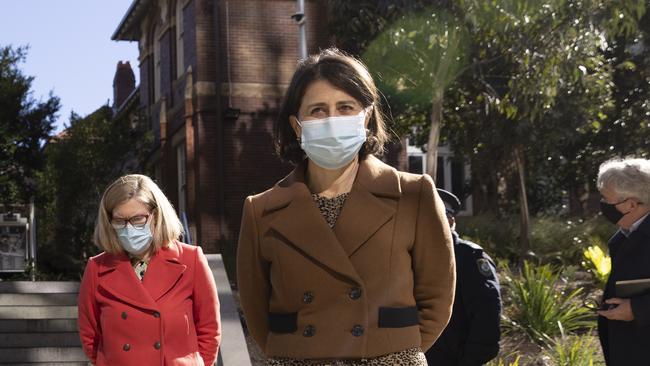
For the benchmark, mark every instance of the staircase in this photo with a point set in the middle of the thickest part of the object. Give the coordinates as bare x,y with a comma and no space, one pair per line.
38,324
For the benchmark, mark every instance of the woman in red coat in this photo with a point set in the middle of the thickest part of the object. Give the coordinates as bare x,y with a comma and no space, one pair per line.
148,299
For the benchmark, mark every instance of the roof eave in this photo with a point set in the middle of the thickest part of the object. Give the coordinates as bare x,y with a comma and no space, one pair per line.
128,102
125,31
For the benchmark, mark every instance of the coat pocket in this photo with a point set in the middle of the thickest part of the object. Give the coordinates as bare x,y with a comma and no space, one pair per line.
398,317
283,323
192,359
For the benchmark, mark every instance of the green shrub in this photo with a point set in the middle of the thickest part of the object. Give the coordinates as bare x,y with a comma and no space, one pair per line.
582,350
562,241
554,239
498,236
540,307
504,361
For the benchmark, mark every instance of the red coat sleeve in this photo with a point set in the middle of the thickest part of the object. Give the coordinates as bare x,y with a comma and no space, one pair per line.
89,325
206,310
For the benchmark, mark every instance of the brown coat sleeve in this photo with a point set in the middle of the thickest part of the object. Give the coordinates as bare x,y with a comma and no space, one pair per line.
433,265
253,277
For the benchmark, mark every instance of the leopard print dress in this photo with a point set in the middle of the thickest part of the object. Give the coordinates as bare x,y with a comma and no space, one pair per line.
331,208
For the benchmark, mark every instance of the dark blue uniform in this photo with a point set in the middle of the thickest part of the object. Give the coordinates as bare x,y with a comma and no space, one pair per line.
472,336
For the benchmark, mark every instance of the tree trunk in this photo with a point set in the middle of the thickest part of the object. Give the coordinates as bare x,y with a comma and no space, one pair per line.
434,136
524,232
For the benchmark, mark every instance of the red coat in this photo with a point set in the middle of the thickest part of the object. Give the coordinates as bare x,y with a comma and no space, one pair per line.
170,318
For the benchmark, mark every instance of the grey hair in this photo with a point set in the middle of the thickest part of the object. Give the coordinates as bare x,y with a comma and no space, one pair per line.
627,177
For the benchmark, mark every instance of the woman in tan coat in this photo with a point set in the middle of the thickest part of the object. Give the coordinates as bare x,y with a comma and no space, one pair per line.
346,261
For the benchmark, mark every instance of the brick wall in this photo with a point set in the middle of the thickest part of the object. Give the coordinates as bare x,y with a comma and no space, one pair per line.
206,128
259,53
262,40
206,51
254,57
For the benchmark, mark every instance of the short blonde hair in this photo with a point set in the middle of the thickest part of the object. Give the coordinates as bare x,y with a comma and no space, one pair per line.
627,177
166,225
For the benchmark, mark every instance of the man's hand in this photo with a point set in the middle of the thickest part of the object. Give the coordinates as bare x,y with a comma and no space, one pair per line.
622,311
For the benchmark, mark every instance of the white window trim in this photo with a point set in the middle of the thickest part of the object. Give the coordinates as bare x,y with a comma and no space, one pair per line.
446,154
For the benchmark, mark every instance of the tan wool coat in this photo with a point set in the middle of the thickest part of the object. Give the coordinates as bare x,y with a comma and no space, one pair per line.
381,281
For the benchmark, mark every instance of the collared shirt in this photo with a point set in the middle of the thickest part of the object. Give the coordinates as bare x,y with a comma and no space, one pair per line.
634,226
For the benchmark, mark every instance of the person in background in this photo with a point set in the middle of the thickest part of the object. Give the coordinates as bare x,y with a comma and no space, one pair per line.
624,323
346,261
148,299
472,335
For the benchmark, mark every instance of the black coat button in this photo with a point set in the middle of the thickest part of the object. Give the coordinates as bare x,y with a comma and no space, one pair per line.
156,345
126,347
308,297
355,293
156,314
124,316
357,330
309,331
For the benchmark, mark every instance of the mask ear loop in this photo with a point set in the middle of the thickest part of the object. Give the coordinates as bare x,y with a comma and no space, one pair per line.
298,137
366,111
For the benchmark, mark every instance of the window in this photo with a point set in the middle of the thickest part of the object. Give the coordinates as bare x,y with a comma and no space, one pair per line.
182,178
451,175
156,64
416,164
180,62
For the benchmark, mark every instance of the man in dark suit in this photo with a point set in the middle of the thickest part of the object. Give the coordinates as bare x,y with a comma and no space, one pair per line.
624,323
472,335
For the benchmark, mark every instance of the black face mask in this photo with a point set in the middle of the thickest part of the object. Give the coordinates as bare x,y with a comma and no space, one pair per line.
610,212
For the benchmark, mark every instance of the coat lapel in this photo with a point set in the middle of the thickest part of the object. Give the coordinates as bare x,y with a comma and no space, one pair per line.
116,276
298,220
364,211
164,270
304,227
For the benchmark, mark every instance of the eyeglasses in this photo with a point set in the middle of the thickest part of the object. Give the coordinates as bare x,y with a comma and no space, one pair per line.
138,222
602,199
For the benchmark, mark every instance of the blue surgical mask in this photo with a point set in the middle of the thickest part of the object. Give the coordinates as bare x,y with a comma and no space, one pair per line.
135,241
333,142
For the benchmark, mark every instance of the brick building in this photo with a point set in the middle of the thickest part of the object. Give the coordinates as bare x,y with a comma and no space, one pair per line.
212,76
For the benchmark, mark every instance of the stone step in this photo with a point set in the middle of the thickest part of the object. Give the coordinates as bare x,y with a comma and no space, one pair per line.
14,356
37,325
70,339
40,287
38,299
38,312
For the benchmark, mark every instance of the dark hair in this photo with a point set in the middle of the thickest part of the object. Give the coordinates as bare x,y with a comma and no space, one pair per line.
344,72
